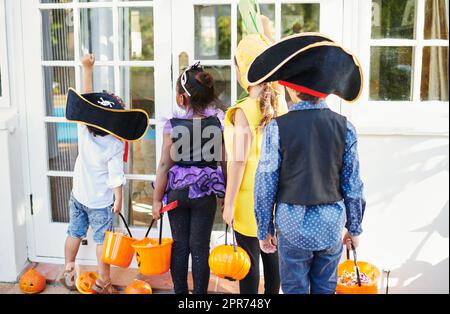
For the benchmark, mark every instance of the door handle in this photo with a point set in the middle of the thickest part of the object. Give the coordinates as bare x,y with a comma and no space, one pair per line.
183,62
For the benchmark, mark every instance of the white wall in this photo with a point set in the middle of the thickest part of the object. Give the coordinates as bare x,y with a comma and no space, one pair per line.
13,241
14,191
407,216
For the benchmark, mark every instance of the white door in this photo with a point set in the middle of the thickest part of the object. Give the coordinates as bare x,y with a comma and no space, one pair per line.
209,31
140,51
131,41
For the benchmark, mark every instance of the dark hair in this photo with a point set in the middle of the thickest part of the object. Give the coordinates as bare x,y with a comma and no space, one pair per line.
308,97
96,132
200,85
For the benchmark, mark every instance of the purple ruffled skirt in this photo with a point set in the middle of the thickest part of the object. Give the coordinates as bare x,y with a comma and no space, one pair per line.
200,181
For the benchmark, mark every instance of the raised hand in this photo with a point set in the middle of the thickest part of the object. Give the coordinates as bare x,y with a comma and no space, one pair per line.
88,60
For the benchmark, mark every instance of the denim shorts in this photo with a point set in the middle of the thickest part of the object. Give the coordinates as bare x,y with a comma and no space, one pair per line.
100,220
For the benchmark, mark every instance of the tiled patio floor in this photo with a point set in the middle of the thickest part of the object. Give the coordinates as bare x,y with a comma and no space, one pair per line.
161,284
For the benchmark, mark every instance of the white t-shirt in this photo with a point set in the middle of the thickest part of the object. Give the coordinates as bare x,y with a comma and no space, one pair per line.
98,168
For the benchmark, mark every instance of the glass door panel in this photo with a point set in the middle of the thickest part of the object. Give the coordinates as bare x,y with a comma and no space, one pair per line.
121,34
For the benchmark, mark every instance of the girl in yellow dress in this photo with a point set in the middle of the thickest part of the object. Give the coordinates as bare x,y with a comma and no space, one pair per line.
244,126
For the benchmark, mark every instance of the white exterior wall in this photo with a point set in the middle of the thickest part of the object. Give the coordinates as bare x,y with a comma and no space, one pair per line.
13,241
14,185
407,216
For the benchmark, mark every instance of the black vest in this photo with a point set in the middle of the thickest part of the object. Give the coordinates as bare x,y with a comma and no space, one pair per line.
312,144
198,142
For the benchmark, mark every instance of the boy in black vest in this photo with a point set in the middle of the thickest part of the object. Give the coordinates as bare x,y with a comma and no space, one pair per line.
309,166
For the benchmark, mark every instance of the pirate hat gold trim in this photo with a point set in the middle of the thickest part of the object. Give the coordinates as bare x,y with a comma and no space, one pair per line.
262,71
139,116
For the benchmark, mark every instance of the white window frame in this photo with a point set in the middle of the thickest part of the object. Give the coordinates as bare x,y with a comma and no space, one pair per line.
413,117
186,45
4,97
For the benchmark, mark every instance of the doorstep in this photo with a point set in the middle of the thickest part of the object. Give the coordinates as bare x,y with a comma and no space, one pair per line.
121,277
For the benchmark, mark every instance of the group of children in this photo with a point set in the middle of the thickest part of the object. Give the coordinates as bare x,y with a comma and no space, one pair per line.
289,177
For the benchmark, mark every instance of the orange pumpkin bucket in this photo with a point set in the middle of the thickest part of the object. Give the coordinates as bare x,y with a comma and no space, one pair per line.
117,247
229,261
355,277
153,254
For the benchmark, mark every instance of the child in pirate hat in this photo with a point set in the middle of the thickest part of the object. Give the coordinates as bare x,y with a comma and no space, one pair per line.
104,127
309,167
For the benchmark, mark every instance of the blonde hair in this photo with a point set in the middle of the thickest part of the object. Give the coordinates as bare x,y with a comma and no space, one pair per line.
268,103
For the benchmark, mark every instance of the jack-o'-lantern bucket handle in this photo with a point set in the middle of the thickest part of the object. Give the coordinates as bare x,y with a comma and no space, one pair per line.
166,208
124,222
358,277
233,235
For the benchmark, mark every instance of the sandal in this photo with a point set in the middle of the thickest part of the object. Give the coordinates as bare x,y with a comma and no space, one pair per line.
67,279
107,288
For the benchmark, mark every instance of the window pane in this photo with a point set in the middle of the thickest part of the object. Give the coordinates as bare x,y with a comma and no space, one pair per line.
62,146
103,79
138,202
390,73
434,74
142,154
96,33
60,189
57,33
212,32
266,10
136,33
222,84
138,88
393,18
57,81
436,19
299,18
137,91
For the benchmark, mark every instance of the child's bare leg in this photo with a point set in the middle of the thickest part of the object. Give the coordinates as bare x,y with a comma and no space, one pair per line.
71,248
104,270
103,284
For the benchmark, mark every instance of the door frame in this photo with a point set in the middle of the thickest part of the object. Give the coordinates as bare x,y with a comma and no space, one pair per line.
41,246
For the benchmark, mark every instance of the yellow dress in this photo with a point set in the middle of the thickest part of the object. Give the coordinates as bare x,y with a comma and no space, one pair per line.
244,216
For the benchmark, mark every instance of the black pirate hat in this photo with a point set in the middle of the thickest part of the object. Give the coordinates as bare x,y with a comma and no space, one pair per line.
310,63
105,112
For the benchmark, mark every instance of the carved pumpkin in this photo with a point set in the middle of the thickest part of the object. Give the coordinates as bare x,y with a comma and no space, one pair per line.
139,287
32,282
85,282
229,262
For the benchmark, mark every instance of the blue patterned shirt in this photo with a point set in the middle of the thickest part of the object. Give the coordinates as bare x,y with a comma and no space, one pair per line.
312,228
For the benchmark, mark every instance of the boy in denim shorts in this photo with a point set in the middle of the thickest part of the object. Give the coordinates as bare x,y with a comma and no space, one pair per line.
96,194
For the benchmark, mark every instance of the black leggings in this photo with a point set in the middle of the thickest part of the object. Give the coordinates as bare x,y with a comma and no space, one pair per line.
191,224
250,284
